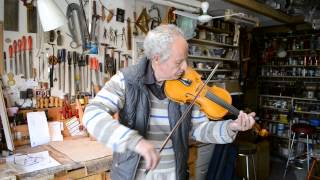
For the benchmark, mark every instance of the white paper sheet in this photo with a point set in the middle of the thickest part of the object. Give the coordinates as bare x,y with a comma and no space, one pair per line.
38,128
55,129
32,162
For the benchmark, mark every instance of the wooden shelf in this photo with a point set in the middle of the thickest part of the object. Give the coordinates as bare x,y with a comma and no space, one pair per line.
274,96
268,11
298,77
289,97
208,58
289,66
53,112
230,59
301,50
273,121
209,70
236,93
305,99
278,109
215,30
307,112
222,80
303,140
207,42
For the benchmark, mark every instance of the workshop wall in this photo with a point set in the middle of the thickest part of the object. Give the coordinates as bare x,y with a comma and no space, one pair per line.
42,50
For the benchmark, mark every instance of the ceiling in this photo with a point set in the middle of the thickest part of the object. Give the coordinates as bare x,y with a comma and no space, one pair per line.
271,12
217,7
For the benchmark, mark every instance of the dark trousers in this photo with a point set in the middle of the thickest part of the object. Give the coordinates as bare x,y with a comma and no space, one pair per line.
222,163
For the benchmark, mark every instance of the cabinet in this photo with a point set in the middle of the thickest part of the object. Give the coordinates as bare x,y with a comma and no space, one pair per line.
217,45
289,86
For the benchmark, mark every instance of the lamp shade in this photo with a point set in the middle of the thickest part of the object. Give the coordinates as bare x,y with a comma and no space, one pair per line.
51,16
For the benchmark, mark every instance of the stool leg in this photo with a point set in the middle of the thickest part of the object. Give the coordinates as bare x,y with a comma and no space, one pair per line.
308,153
289,154
254,167
247,166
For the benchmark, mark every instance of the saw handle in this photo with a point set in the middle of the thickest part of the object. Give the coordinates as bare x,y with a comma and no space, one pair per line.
97,65
10,51
30,43
24,43
14,46
19,45
91,63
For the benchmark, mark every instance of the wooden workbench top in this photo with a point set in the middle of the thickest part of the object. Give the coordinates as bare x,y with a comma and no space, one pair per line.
68,164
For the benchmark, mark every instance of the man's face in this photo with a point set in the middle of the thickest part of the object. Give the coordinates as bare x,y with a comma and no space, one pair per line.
175,66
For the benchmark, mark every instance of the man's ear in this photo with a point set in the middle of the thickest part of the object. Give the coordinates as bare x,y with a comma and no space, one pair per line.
156,59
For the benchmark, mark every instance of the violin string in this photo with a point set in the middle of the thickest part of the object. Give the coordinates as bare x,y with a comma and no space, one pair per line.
222,103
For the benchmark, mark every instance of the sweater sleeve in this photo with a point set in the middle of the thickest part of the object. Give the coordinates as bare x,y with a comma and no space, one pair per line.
98,119
206,131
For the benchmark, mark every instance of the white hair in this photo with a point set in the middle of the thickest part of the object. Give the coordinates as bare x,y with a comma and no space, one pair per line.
159,41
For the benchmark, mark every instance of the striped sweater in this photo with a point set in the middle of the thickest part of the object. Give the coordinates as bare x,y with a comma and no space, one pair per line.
99,123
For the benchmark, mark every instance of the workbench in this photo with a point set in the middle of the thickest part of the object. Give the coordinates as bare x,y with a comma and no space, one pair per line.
93,169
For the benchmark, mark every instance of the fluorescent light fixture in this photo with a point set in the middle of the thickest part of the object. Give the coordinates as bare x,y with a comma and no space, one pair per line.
187,5
50,14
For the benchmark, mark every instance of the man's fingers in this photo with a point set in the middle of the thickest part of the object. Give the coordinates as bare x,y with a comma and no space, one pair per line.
252,121
148,160
243,121
252,114
149,153
152,158
155,160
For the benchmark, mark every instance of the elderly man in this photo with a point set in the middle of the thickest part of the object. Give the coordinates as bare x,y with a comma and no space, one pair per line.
146,115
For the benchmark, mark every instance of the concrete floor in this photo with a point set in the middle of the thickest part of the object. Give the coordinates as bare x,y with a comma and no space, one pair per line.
278,167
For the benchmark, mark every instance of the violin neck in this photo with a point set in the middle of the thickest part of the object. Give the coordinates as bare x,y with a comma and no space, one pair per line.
233,110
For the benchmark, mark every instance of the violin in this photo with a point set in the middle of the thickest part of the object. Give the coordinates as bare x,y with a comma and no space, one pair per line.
214,101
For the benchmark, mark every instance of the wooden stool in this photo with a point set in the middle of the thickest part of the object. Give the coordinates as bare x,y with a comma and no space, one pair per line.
248,150
299,129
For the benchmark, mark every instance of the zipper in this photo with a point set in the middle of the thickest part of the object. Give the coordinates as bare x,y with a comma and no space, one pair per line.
145,130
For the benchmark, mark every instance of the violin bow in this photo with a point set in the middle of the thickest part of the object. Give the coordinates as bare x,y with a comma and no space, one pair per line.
186,111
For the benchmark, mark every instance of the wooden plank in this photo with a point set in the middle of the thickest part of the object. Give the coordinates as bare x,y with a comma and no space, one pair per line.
80,174
54,113
267,11
94,169
1,49
73,174
5,122
7,172
283,28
